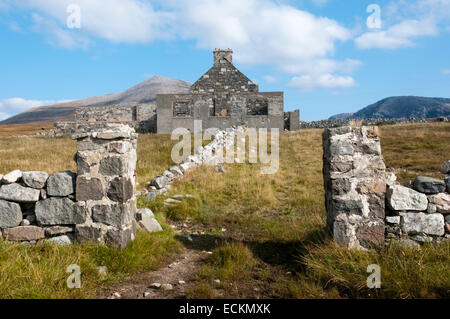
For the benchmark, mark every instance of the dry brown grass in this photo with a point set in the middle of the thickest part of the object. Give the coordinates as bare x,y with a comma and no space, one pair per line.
275,221
37,154
416,149
24,129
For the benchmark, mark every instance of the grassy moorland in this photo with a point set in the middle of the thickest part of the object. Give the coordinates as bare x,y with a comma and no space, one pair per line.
265,231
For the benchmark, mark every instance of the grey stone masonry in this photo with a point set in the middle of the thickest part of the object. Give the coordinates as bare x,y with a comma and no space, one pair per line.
355,186
106,183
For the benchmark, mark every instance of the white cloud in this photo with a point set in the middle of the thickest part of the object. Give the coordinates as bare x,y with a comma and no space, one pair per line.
12,106
406,22
328,81
259,31
400,35
126,21
446,71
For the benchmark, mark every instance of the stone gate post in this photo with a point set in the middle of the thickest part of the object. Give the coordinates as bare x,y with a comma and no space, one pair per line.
355,186
106,184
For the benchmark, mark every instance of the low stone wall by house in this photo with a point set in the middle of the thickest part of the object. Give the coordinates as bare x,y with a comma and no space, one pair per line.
365,206
366,122
141,117
98,203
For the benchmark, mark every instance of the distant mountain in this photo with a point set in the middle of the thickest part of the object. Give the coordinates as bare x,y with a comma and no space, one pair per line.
341,116
144,92
402,107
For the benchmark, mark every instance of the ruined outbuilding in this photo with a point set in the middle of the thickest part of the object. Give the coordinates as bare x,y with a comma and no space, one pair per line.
224,97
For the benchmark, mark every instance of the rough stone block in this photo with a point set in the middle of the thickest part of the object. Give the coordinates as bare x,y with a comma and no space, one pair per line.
394,220
24,233
402,198
370,235
90,233
55,211
61,184
89,189
120,190
58,230
428,185
35,179
441,202
18,193
445,167
119,238
159,182
150,225
10,214
12,177
416,223
112,166
63,240
117,215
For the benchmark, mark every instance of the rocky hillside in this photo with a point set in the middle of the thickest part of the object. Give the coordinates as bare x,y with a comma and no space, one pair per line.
402,107
144,92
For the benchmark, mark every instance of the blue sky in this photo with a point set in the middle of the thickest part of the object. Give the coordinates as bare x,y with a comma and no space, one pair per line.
324,54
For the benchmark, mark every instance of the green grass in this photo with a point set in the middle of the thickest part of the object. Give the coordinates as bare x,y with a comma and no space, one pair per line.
40,271
275,244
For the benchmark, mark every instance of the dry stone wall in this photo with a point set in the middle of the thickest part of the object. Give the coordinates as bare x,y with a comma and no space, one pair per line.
419,212
366,207
96,204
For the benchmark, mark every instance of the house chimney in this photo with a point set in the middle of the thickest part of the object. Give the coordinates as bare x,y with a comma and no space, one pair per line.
226,54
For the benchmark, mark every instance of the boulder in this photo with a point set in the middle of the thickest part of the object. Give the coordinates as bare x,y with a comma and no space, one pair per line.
58,230
186,167
10,214
445,167
63,240
150,225
441,202
428,185
169,174
416,223
35,179
160,182
61,184
18,193
55,211
152,194
176,171
12,177
447,182
403,198
393,220
24,233
144,213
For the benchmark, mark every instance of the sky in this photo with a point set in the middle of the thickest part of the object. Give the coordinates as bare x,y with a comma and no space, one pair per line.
328,56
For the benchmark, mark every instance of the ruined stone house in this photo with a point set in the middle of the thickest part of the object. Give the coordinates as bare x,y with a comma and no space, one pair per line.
223,97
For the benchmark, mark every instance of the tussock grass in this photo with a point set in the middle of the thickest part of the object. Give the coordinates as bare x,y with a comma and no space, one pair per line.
24,129
275,238
416,149
40,271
